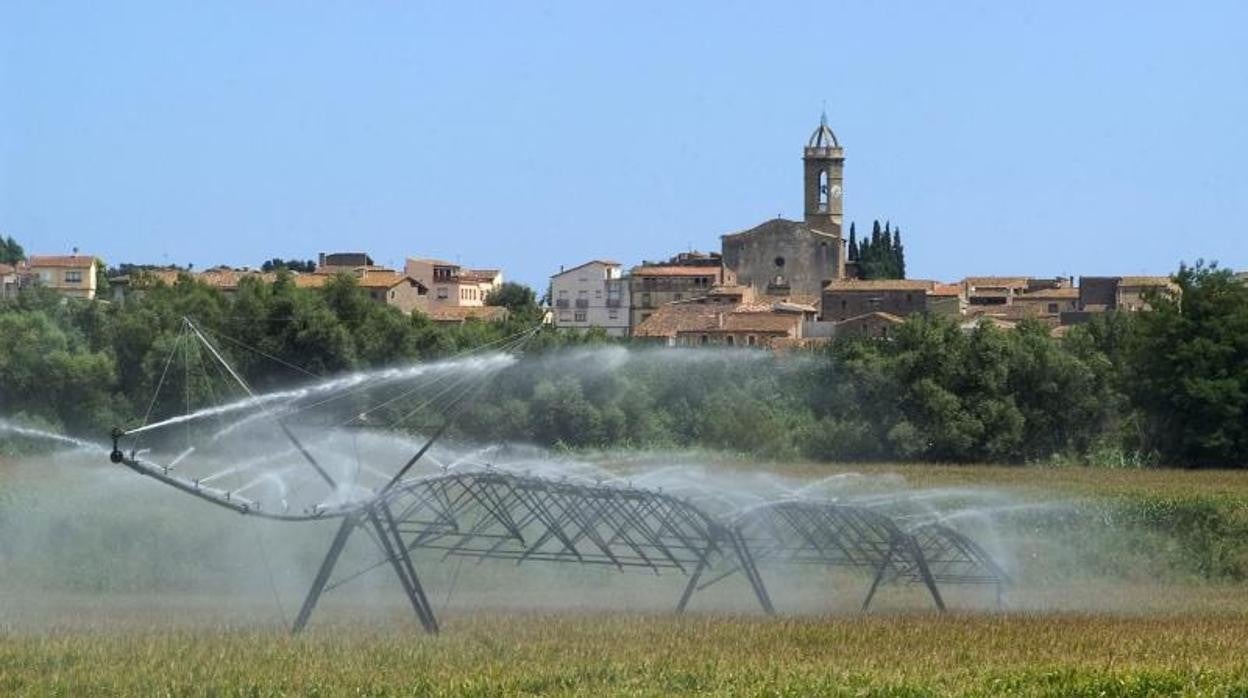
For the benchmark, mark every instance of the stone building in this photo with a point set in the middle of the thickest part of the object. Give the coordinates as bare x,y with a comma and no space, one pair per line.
853,298
783,257
873,325
333,262
993,290
593,294
1049,302
653,285
1101,293
699,322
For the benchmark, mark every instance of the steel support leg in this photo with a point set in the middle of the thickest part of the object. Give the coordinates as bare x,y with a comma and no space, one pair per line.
689,587
925,574
387,545
704,561
751,573
322,575
879,576
406,559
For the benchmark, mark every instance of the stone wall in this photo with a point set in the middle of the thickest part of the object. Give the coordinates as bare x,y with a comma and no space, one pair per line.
783,257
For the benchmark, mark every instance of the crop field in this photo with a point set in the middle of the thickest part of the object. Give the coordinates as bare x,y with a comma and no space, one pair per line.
1134,585
652,655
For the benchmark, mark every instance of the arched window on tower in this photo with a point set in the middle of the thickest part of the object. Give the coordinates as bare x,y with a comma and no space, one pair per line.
823,191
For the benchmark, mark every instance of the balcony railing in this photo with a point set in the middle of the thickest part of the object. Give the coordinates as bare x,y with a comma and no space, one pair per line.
582,303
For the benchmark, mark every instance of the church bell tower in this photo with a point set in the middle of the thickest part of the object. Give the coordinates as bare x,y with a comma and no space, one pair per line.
824,162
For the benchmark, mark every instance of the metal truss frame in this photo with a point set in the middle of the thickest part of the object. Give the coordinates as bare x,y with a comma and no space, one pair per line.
497,515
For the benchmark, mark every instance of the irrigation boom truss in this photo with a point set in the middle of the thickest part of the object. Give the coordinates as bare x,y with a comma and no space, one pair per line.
494,514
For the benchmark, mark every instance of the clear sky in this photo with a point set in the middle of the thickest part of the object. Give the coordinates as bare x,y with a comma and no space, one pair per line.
1034,138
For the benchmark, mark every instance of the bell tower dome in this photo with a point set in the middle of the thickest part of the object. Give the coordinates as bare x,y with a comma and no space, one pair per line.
823,162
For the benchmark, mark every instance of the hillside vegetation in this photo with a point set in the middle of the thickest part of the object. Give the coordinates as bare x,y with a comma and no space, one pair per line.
1168,386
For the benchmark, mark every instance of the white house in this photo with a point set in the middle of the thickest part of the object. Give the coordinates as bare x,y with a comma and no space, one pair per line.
594,294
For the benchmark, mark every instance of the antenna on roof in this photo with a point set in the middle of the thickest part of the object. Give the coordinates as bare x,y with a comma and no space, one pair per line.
823,116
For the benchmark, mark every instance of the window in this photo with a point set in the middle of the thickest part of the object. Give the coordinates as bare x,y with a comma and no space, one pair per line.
844,304
442,293
565,316
779,262
580,316
678,296
1052,307
393,294
823,190
613,314
751,340
73,277
645,300
731,340
703,340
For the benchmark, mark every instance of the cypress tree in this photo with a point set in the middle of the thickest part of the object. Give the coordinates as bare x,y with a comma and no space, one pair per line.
899,253
853,243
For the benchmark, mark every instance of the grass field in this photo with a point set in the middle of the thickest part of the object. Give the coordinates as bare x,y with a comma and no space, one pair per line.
1173,628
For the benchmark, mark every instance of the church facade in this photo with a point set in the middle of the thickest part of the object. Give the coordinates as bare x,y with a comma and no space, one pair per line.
782,257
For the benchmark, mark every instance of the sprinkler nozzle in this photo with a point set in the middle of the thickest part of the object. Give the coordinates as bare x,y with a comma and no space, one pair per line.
117,456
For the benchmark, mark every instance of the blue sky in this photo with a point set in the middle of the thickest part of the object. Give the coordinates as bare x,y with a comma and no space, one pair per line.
1003,137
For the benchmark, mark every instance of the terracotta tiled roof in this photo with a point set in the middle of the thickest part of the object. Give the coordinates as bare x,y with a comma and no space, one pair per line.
996,281
758,322
312,280
66,261
945,290
675,271
1145,281
800,299
229,279
874,315
880,285
675,317
379,279
488,313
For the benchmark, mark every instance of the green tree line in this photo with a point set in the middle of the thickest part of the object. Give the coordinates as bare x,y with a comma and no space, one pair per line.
1167,386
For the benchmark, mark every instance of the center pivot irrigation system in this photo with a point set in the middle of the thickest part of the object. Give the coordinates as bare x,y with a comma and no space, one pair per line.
310,467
